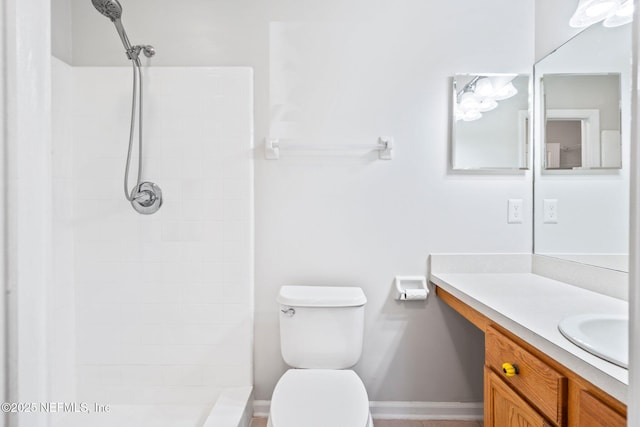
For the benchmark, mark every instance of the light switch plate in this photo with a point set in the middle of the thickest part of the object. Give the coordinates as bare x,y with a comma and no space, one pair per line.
514,211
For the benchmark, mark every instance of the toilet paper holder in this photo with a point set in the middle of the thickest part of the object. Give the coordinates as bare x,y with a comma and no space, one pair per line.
411,288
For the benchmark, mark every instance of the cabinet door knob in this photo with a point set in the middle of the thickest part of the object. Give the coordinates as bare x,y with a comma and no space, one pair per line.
510,369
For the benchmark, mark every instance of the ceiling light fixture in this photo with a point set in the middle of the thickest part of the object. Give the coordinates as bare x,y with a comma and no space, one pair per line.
470,116
480,94
487,104
622,16
506,92
469,101
613,12
483,87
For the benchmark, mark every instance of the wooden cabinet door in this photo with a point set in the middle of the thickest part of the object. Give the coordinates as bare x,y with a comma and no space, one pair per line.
594,413
540,384
504,408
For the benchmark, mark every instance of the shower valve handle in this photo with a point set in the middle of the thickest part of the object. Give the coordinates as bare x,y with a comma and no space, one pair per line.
145,198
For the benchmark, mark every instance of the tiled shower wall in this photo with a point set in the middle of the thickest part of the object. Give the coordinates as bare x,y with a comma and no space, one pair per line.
164,302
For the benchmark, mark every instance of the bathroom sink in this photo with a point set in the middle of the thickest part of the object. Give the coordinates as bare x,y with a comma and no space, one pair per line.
603,335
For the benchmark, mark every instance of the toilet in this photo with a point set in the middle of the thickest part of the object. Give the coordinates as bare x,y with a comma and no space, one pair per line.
321,332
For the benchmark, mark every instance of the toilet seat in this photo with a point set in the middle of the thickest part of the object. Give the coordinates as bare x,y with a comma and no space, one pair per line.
319,398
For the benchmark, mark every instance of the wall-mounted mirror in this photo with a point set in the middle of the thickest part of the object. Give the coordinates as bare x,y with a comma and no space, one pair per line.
490,121
582,121
582,98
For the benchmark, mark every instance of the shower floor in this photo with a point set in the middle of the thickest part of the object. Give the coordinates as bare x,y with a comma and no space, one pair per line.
232,409
141,416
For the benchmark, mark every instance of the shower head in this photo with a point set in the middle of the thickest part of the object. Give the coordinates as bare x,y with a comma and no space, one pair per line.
113,10
109,8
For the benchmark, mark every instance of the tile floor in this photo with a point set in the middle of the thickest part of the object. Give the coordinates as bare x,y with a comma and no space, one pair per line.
262,422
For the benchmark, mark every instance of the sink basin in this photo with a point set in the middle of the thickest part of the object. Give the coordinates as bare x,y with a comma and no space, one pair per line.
603,335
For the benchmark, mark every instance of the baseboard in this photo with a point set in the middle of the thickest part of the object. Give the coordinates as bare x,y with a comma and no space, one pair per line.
388,410
261,408
426,410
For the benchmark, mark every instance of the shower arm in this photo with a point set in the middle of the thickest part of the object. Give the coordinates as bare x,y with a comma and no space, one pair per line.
133,53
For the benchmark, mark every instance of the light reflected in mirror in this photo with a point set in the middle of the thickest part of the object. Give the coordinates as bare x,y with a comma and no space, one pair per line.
582,113
490,121
582,98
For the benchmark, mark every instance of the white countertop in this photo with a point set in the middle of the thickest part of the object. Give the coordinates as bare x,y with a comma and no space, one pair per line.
530,306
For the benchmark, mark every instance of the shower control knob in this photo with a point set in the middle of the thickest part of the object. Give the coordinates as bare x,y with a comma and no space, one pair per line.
146,198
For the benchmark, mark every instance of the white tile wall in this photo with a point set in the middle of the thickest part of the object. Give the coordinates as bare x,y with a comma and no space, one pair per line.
164,303
61,321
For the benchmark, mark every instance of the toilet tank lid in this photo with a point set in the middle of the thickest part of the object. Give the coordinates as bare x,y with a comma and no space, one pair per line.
321,296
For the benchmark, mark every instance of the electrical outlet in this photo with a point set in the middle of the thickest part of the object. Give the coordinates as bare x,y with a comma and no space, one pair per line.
550,209
514,211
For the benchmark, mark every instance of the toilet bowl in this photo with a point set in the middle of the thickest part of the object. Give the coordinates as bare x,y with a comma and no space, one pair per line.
320,398
321,335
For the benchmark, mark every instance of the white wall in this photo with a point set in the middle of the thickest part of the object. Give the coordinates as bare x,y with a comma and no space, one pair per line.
61,31
337,70
552,25
349,220
163,302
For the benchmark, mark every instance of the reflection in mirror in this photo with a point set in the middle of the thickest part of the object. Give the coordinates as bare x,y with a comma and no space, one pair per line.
582,128
490,121
582,98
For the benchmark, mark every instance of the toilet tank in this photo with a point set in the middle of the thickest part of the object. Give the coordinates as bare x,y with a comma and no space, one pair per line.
321,327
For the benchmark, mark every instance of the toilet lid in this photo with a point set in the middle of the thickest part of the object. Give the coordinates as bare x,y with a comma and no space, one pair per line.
319,398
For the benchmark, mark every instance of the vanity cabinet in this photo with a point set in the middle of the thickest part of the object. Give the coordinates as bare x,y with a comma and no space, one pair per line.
525,387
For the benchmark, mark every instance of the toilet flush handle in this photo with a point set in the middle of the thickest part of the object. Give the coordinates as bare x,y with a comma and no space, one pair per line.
289,312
